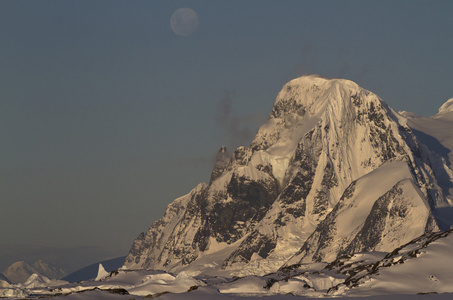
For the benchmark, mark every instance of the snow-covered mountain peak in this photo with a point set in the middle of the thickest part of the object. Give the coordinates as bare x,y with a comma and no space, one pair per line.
324,113
447,106
307,101
312,93
310,187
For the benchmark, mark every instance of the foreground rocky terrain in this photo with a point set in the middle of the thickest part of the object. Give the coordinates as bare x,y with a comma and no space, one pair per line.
420,269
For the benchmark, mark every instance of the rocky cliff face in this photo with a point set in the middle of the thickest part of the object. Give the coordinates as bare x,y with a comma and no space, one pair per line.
334,170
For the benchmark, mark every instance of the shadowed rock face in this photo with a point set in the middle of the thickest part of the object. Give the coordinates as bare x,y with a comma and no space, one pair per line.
255,243
221,163
189,223
283,199
249,202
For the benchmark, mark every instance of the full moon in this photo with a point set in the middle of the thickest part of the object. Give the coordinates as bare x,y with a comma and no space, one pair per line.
184,21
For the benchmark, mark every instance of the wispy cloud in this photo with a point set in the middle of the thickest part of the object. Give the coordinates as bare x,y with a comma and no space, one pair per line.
238,128
224,106
306,50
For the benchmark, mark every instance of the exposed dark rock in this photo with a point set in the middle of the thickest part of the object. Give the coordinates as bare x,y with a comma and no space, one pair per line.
221,164
254,243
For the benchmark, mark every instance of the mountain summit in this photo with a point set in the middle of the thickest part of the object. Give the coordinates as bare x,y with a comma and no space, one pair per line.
333,171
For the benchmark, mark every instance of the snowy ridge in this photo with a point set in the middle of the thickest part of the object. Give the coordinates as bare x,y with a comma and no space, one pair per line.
436,133
427,259
332,158
374,214
160,232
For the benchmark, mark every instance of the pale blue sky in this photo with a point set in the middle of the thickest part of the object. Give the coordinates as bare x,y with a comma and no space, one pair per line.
106,115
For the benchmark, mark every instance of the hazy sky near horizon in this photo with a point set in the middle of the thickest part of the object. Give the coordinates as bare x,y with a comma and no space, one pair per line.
107,115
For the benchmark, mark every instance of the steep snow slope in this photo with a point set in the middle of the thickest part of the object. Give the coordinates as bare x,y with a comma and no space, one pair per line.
270,200
376,212
446,107
148,249
436,132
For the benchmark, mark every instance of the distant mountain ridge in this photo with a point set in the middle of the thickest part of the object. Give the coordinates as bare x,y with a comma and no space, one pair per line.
334,171
20,271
